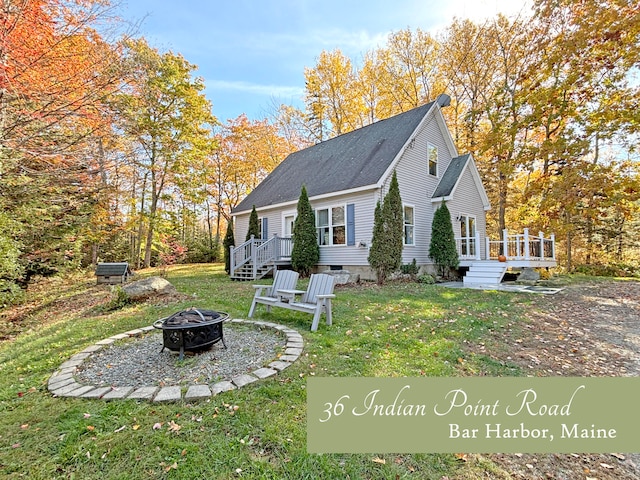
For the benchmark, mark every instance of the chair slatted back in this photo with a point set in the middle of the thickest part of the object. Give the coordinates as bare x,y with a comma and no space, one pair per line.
283,280
319,284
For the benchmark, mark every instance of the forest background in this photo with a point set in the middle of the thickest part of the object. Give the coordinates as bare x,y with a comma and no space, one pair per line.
110,151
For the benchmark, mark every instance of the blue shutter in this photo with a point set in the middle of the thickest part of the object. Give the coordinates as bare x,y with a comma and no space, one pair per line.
265,228
351,224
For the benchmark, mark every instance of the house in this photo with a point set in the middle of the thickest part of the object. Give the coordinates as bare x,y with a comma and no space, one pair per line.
347,175
113,273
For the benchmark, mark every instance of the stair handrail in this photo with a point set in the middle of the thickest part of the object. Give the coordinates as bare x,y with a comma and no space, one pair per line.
264,253
241,255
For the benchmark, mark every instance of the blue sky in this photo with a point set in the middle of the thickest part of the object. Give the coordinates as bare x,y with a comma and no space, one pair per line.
252,53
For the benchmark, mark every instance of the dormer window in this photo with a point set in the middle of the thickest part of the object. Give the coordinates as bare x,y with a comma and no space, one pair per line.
432,158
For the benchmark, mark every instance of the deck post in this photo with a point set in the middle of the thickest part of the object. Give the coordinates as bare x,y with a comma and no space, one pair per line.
232,262
553,246
487,248
541,235
277,247
254,258
505,243
527,253
477,240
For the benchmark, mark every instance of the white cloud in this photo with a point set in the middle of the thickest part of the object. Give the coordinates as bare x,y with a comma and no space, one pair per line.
254,88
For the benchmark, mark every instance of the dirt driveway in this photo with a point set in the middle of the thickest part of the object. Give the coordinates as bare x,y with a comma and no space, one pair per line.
585,330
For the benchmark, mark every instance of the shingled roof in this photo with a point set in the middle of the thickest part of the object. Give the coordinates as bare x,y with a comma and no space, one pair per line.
356,159
451,176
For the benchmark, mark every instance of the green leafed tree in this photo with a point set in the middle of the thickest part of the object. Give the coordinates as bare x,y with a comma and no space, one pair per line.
442,249
254,225
306,251
228,242
168,119
385,255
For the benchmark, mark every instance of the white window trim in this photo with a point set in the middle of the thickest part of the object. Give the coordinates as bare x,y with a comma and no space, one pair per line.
285,214
330,208
413,225
429,146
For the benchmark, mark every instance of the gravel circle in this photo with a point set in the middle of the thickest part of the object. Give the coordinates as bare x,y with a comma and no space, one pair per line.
139,362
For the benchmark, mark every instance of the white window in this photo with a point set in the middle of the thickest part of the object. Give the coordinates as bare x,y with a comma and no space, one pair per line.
409,225
432,158
288,222
468,234
331,226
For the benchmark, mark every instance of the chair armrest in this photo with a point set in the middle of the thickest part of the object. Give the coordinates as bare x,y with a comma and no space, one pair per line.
260,288
329,295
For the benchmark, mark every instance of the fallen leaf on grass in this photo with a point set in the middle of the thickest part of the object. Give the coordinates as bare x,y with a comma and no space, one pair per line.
24,426
174,467
157,426
87,415
120,429
136,427
379,460
91,428
174,427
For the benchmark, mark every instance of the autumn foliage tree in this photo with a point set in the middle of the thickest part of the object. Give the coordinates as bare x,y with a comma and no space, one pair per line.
56,73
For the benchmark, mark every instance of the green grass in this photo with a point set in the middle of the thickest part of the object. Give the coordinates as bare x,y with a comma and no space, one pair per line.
404,329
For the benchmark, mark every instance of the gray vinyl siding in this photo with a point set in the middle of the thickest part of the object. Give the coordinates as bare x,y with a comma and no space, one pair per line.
467,201
417,186
345,255
364,206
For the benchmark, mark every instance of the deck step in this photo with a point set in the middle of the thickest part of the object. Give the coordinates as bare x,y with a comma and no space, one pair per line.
246,273
485,273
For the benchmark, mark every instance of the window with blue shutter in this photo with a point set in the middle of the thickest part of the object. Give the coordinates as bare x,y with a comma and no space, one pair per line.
265,229
351,224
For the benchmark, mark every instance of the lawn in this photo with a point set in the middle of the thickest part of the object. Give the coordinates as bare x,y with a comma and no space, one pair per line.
400,329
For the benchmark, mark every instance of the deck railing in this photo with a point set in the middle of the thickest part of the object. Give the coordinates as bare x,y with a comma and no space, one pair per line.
258,253
469,247
522,246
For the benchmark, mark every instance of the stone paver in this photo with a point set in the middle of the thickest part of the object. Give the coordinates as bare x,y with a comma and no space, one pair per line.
289,358
67,389
144,393
279,365
244,379
264,372
117,393
97,392
78,392
168,394
293,351
223,386
62,382
197,392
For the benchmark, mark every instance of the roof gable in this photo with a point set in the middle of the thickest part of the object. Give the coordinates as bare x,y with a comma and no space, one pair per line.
449,181
353,160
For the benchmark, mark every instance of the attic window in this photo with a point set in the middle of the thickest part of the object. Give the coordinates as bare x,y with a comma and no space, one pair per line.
432,157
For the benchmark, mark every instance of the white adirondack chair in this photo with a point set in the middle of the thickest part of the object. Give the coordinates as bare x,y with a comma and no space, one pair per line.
267,294
316,299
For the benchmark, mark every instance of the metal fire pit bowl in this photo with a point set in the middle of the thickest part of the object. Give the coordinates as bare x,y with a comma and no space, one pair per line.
191,330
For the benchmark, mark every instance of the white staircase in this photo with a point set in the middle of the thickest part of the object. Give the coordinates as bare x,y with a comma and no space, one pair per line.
485,272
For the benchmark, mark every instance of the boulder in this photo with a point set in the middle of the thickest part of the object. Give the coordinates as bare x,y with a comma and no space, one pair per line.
528,276
148,287
342,277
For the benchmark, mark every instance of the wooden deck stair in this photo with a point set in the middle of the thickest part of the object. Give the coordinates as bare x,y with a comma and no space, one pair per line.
245,273
485,272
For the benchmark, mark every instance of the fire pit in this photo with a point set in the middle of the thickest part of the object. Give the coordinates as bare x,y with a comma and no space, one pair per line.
191,330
